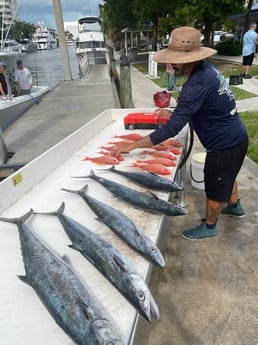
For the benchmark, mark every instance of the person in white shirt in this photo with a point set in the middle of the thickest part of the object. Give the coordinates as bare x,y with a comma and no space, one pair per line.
23,79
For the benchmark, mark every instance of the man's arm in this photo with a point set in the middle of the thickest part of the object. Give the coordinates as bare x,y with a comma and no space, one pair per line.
120,148
1,90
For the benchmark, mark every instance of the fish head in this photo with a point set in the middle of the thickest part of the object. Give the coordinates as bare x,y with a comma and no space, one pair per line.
141,296
179,211
104,332
173,209
155,255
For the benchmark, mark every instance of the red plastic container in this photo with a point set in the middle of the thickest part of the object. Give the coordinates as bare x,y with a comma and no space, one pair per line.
144,121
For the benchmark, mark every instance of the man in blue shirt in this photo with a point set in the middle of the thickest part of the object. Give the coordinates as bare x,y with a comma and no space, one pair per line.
249,48
206,100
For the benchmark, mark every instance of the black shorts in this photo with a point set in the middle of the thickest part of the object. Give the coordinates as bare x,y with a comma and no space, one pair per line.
221,169
248,60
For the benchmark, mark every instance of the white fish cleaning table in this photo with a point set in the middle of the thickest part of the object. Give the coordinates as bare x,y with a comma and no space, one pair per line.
24,319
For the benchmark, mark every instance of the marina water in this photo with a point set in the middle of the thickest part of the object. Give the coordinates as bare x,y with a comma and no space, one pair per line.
47,67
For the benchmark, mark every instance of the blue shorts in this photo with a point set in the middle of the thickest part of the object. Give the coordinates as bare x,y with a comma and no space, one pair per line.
221,169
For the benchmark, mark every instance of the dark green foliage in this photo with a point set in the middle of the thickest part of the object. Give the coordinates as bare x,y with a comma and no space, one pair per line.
21,30
229,48
164,16
250,119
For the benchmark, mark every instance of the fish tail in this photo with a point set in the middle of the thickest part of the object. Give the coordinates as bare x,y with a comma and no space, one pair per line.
78,191
93,175
107,169
112,168
60,210
18,219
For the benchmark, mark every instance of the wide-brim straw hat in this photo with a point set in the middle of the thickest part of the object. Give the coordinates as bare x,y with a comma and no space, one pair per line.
184,47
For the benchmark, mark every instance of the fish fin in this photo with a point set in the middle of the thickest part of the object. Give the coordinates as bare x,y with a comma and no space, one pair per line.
70,190
107,169
78,191
24,279
99,219
119,263
137,230
19,219
154,195
60,210
67,260
71,246
153,174
84,307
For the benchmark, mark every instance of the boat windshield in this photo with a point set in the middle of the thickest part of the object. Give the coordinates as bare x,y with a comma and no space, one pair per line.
90,27
92,44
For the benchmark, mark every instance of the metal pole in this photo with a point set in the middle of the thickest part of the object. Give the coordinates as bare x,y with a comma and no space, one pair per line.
181,179
126,46
181,173
3,148
62,40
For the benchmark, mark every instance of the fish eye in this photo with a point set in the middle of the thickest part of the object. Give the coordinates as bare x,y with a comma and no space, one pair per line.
52,262
141,296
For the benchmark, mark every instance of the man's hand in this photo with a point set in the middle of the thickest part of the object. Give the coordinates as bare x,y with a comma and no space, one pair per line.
120,148
162,112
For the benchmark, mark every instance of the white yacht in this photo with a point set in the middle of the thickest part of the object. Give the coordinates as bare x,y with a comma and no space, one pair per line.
45,38
91,47
10,46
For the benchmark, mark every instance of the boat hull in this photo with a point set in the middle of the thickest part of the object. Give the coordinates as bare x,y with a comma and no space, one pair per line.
12,108
44,45
91,46
30,47
87,59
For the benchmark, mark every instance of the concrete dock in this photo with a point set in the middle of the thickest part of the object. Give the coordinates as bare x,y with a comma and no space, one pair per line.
207,293
62,111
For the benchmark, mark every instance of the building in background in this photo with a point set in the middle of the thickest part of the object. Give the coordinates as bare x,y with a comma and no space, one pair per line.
8,11
72,27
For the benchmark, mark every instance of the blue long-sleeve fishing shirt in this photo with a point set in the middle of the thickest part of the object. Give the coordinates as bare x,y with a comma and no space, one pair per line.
207,101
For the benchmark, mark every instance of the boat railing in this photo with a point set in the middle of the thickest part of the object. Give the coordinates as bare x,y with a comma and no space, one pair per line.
7,98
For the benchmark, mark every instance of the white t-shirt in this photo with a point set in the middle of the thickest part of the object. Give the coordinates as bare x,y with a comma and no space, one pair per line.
24,78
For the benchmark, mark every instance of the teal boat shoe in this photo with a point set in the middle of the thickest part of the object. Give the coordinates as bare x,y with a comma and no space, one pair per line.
234,210
199,232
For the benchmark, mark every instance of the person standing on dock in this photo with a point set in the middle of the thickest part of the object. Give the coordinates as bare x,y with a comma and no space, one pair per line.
250,41
3,84
23,79
208,103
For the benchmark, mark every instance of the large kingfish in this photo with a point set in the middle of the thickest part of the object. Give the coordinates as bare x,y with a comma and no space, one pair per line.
68,300
123,227
146,201
111,263
149,180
